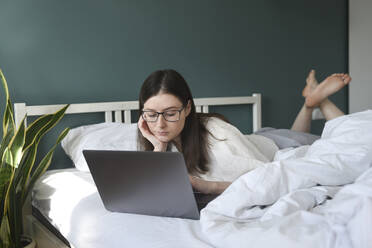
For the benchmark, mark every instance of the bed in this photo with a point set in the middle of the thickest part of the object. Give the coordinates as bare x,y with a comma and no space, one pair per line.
311,196
53,233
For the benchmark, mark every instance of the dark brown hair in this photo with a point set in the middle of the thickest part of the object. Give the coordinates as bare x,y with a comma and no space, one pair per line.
194,136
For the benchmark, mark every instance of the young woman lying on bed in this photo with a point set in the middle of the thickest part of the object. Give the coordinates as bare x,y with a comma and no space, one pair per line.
216,153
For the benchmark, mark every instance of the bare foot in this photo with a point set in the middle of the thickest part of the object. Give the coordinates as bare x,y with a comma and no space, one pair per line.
329,86
311,84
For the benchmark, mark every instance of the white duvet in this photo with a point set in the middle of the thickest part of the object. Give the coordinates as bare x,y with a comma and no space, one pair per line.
316,196
284,203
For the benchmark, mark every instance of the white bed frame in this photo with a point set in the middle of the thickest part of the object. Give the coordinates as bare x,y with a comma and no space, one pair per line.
114,112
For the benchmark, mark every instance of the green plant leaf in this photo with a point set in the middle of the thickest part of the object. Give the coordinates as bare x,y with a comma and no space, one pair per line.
14,214
30,150
8,121
4,233
27,162
5,176
42,125
5,143
34,128
5,85
23,178
7,156
5,227
23,181
18,151
33,134
62,135
16,144
56,117
43,165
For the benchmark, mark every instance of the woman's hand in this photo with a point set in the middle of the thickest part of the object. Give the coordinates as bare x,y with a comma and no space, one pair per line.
145,130
208,187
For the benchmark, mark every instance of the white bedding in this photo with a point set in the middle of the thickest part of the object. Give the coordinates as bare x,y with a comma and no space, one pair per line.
284,202
317,196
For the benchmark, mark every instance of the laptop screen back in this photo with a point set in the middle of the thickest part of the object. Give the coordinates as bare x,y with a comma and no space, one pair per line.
139,182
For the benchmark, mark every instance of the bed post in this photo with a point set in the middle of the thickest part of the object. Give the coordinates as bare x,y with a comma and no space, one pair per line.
257,112
19,113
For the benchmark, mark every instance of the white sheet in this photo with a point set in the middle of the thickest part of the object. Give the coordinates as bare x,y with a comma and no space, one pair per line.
283,202
69,199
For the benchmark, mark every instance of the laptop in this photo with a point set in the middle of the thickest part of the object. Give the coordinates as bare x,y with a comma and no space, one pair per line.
145,182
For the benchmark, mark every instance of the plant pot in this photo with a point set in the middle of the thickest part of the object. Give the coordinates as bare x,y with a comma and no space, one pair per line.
28,242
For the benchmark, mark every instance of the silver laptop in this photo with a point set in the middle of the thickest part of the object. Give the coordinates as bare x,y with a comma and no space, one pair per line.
139,182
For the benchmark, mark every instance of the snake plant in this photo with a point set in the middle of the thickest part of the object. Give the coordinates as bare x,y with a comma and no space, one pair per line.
19,169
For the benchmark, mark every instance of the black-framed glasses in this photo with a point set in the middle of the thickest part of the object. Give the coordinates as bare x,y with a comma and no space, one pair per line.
169,115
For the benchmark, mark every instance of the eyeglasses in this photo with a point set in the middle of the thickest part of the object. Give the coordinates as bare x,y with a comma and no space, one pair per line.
169,115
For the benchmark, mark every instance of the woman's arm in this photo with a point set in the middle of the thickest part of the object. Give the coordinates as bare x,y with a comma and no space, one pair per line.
208,187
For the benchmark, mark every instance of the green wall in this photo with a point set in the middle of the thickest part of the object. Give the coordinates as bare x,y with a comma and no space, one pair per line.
88,50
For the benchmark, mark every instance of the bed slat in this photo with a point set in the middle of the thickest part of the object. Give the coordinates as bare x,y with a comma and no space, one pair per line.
108,116
205,109
118,116
127,117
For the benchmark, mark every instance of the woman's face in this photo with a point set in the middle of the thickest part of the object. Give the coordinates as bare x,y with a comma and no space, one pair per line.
162,129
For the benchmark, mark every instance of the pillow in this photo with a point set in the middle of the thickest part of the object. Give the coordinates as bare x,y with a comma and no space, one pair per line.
103,136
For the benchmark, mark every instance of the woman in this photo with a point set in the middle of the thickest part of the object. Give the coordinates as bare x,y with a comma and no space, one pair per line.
215,152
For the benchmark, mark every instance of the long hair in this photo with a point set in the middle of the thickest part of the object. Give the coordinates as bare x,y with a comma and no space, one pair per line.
194,136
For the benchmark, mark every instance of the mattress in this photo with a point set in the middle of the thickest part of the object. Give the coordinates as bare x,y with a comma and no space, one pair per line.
69,200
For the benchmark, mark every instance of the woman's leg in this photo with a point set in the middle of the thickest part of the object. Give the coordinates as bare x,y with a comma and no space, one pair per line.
328,87
302,122
330,110
319,96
